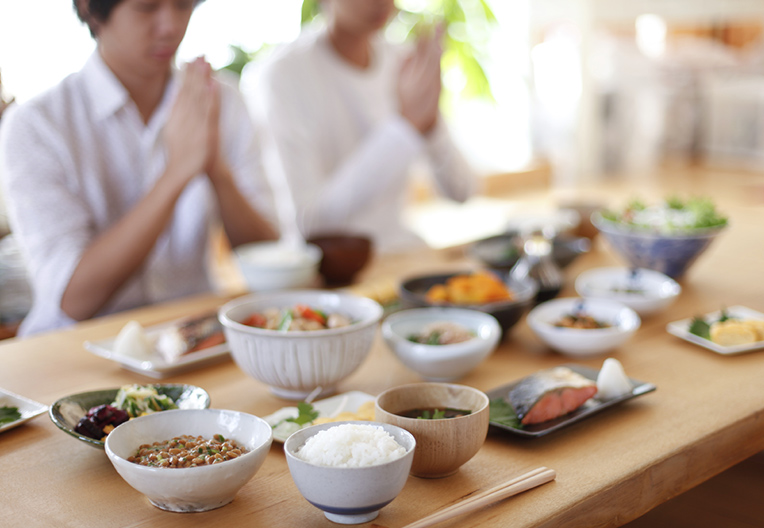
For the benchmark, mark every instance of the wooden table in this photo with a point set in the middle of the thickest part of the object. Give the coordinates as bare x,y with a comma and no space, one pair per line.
707,414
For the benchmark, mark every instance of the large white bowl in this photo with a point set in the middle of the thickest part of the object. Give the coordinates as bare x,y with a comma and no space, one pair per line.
644,291
441,362
350,495
270,266
293,364
576,342
198,488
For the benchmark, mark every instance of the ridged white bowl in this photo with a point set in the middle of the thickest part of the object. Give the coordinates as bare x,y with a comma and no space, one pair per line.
293,364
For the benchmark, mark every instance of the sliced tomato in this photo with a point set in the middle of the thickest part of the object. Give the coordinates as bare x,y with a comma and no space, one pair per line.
256,319
308,313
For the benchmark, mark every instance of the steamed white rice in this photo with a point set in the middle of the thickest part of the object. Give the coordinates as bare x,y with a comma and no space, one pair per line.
351,445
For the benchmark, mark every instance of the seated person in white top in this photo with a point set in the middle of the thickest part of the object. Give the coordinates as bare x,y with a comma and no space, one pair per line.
114,177
348,114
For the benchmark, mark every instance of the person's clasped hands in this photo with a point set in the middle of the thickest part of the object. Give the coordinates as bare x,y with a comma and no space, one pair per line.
419,82
192,131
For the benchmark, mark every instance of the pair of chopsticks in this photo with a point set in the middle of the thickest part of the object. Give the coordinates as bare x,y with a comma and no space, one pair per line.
517,485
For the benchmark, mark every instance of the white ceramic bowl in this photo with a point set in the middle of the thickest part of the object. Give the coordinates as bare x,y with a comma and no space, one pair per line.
293,364
576,342
350,495
441,362
644,291
190,489
270,266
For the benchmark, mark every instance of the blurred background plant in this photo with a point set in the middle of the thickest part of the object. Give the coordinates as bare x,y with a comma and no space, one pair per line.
468,26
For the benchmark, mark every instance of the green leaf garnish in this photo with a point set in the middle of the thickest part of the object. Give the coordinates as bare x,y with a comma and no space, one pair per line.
286,320
305,414
501,412
434,338
700,327
9,414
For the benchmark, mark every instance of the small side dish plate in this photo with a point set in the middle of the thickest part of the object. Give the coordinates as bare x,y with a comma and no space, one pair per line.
681,329
593,406
27,408
328,407
155,366
66,412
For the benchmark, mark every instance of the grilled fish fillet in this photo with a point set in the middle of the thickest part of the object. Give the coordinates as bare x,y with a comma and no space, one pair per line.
194,333
549,394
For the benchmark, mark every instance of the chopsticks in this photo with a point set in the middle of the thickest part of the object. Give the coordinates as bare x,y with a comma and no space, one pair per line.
517,485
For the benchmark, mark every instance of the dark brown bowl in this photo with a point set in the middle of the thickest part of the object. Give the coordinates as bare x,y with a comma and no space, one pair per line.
344,256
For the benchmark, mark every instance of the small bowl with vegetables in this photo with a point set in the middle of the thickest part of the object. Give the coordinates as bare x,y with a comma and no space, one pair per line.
667,237
449,422
190,460
296,341
91,416
580,328
441,343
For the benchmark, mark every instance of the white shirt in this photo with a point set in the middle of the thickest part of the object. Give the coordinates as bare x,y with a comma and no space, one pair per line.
77,158
340,144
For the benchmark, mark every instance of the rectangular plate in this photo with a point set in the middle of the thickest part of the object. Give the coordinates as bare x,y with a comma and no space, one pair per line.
156,366
592,406
27,408
681,329
348,401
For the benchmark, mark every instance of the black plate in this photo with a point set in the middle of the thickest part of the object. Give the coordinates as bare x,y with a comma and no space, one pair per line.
593,406
501,252
413,294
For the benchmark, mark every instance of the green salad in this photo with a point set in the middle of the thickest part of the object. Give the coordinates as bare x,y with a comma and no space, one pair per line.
671,216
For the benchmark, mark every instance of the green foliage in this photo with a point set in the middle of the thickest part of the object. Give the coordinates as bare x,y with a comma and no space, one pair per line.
467,28
310,10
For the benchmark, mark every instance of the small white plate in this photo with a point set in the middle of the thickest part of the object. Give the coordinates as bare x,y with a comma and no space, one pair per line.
155,366
348,401
681,329
27,408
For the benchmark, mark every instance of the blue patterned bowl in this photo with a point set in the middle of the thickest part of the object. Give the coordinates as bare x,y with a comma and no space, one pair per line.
671,254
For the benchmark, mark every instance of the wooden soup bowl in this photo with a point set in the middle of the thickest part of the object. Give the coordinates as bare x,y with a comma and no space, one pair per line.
442,445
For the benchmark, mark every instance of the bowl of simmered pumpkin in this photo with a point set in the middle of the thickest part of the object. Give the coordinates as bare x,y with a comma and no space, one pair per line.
505,298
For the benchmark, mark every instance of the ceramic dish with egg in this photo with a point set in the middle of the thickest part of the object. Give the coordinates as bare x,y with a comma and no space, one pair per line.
469,336
643,290
617,323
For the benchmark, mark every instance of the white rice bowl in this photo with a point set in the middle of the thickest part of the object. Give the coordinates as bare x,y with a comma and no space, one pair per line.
351,445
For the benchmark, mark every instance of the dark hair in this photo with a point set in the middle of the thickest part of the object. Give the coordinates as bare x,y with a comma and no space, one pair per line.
97,11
